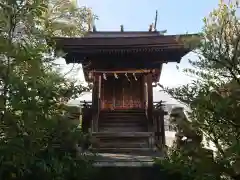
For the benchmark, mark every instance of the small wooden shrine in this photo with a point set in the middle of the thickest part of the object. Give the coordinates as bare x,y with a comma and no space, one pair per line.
123,67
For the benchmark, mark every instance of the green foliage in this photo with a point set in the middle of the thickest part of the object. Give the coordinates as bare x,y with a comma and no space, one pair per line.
36,141
213,97
65,18
187,168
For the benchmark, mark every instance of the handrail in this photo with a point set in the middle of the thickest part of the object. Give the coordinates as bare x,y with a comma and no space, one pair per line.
86,104
156,104
158,118
98,112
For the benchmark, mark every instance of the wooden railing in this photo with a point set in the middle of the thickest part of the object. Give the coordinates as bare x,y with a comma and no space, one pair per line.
158,124
90,115
86,109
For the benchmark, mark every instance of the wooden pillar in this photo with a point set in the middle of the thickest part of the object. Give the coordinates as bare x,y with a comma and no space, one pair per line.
143,92
95,103
150,102
86,119
98,101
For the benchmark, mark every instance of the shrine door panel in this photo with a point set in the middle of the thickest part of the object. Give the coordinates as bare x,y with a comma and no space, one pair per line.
122,93
107,93
132,93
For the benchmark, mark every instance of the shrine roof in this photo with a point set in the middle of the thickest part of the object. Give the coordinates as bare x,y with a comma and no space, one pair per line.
114,34
128,43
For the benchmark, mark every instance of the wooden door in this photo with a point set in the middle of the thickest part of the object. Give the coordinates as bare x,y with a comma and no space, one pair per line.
118,93
107,94
132,93
122,93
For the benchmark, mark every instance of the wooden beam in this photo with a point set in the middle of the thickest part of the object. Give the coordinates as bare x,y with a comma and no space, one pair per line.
145,96
124,71
150,102
95,103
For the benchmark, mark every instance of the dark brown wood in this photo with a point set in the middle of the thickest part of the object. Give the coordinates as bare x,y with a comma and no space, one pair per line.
86,119
95,104
142,93
148,57
83,49
137,41
114,34
122,92
126,127
123,104
119,71
123,121
86,115
150,102
158,122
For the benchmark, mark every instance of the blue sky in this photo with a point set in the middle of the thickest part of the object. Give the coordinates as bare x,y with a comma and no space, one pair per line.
176,16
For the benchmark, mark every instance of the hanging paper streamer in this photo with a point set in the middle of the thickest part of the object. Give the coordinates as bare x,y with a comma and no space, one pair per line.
134,76
127,77
104,76
115,75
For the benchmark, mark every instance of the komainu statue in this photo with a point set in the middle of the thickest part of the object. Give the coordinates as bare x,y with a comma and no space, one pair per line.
186,137
72,114
72,117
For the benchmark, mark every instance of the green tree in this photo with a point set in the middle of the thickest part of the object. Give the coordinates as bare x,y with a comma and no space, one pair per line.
65,18
213,96
36,142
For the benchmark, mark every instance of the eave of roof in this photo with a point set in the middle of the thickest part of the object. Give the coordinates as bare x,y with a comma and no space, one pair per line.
120,41
107,34
79,49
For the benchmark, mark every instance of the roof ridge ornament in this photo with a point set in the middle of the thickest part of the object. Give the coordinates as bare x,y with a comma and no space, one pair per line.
94,28
155,23
150,27
122,28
